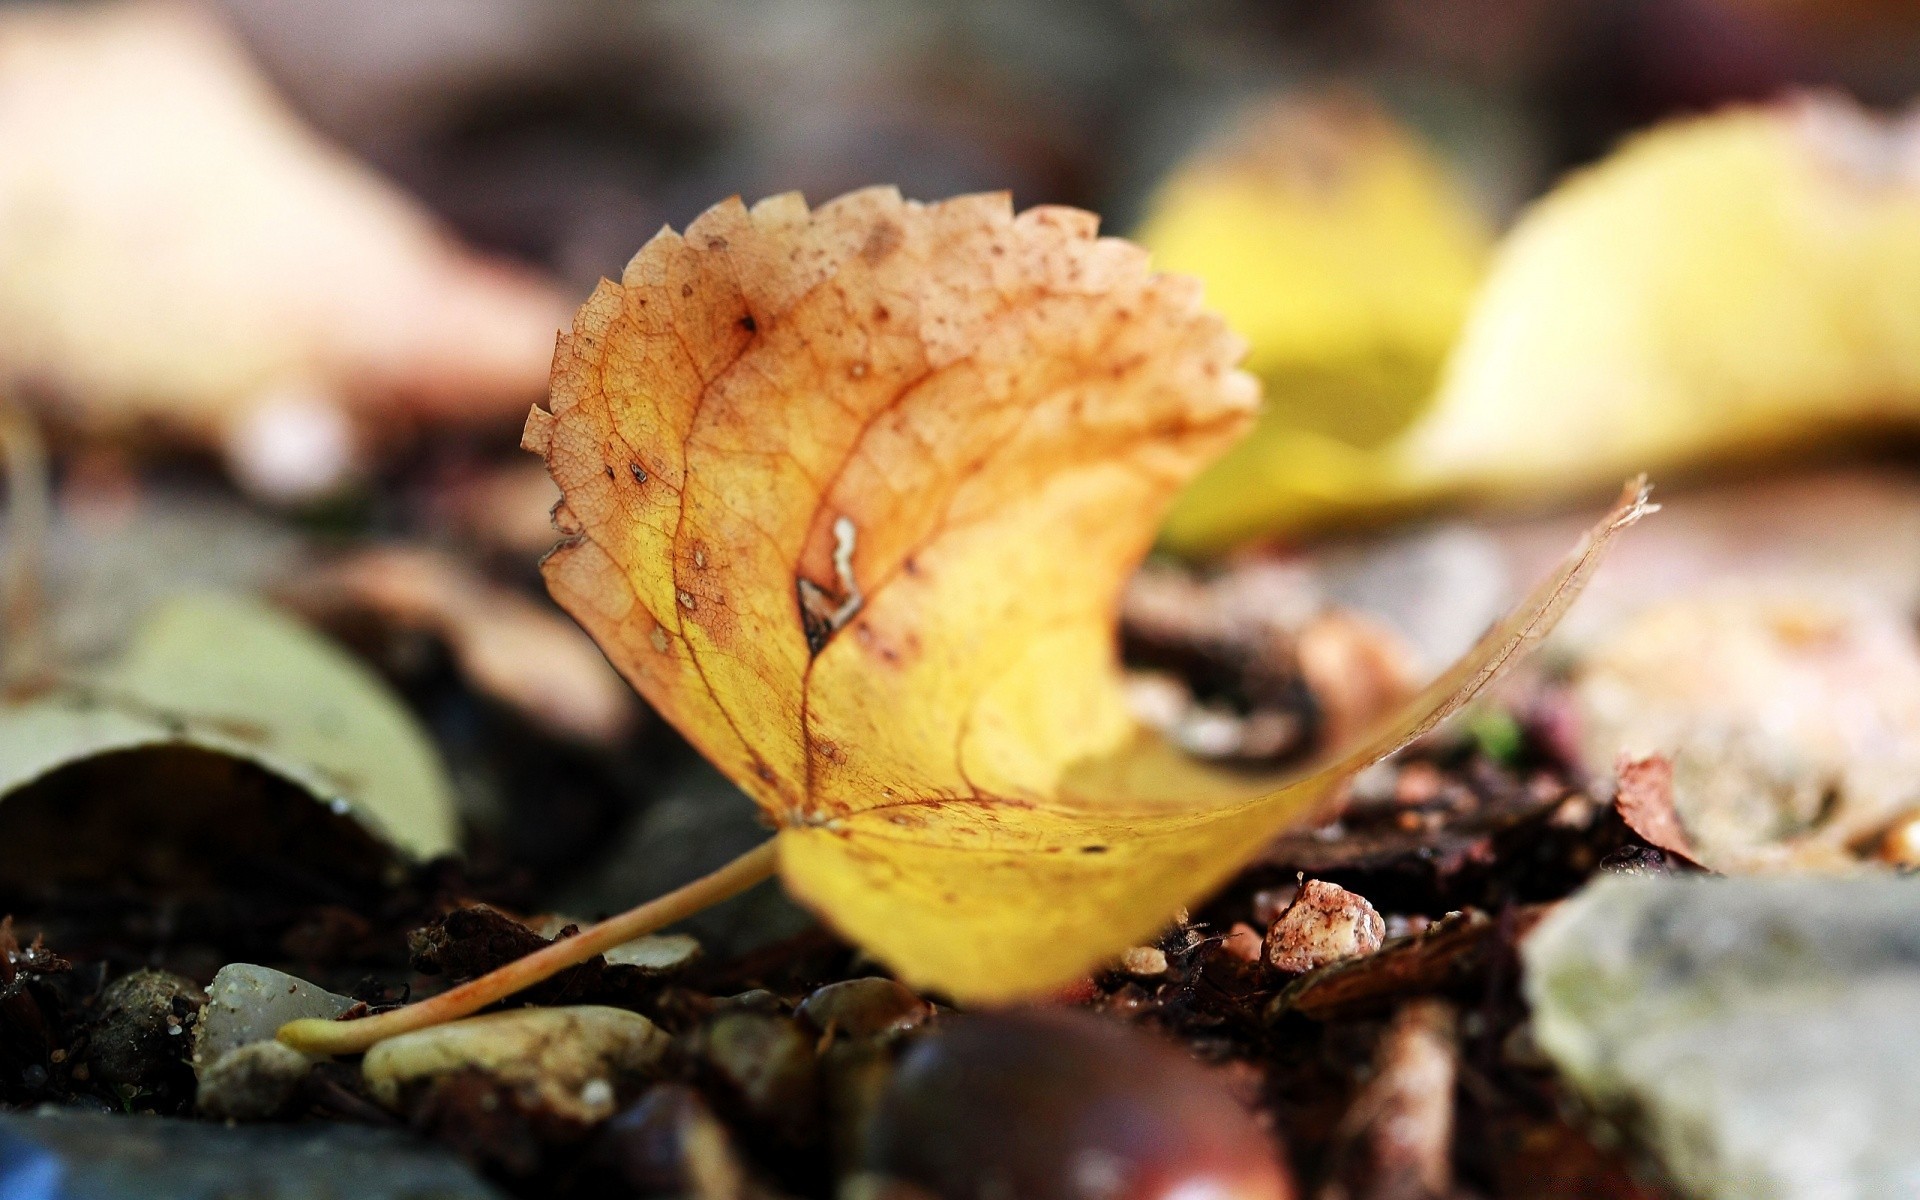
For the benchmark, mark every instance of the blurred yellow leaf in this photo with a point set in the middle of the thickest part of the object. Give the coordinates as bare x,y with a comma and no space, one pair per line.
850,497
1727,285
1337,244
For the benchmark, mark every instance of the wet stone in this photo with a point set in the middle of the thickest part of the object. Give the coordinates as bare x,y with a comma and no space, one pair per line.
863,1008
88,1156
142,1036
248,1003
1760,1036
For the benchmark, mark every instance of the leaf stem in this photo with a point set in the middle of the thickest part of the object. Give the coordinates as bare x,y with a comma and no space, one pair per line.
23,661
321,1037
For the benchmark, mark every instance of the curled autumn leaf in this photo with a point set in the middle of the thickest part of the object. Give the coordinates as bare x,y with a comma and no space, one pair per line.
850,497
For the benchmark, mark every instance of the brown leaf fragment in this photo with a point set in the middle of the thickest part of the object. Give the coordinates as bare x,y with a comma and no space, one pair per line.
523,654
1325,923
1643,796
471,941
1396,1141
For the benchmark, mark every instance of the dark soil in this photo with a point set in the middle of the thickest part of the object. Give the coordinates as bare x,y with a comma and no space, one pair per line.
1460,847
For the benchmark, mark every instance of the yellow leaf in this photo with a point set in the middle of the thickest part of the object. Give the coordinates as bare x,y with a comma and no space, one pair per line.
1726,285
1339,246
851,495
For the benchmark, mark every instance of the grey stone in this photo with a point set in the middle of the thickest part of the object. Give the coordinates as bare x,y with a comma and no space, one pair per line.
1761,1036
254,1082
90,1156
248,1003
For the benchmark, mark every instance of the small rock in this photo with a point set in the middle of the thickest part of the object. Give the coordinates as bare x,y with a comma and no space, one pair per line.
248,1003
64,1155
862,1008
671,1144
255,1082
758,1000
1324,924
766,1065
142,1036
566,1061
656,953
650,953
1144,962
1243,943
1761,1035
1061,1105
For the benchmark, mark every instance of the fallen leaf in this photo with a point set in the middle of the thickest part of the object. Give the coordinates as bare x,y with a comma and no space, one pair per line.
1335,241
1643,796
1791,722
207,266
244,682
512,649
1724,285
851,496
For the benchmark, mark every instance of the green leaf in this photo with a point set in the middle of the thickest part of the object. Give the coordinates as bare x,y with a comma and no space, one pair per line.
236,677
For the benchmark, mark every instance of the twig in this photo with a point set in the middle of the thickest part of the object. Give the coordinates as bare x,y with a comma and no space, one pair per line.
319,1037
23,660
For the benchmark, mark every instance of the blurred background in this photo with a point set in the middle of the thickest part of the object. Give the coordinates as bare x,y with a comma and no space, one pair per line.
564,132
279,281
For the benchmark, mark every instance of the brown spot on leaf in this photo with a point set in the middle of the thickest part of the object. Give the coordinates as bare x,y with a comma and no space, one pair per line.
882,241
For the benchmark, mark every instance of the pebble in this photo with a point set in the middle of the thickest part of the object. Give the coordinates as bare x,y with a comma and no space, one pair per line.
140,1037
1760,1036
64,1155
248,1003
1325,923
1244,943
256,1082
657,953
565,1061
766,1065
1144,962
1057,1104
671,1144
862,1008
651,953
